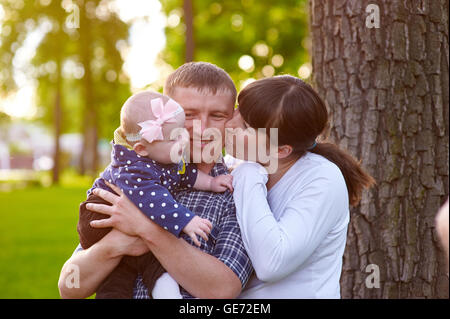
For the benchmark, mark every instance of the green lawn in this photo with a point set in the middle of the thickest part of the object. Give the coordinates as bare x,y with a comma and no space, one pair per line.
37,235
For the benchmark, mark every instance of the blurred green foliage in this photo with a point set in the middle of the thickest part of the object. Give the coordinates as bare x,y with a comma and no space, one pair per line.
81,51
273,34
77,66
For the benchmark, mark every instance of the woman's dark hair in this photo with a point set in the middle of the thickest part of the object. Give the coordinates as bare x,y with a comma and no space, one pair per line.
289,104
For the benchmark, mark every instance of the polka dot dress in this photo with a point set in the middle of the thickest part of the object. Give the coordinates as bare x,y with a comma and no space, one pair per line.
150,185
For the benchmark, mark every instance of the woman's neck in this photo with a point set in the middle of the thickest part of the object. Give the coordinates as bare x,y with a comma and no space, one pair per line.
283,166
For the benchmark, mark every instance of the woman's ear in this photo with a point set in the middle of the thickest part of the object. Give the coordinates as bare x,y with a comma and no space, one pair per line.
140,149
284,151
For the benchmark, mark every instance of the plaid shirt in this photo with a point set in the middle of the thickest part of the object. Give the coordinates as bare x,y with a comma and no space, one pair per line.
225,241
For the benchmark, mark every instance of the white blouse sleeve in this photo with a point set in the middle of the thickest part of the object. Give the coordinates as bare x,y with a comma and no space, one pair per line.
278,247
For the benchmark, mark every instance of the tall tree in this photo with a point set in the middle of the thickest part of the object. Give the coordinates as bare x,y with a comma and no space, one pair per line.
90,46
189,22
387,91
103,84
22,18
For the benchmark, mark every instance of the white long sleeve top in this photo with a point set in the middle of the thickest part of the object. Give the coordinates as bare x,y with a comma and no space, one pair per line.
295,233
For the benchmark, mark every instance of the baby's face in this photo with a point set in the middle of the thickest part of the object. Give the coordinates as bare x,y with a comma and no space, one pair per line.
171,149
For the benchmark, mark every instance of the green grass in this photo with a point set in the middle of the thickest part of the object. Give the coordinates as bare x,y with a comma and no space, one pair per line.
37,235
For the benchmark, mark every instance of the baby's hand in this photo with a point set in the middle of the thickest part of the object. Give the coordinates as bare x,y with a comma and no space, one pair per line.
219,184
198,226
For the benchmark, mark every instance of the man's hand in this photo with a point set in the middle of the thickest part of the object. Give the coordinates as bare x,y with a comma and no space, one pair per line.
219,184
198,226
124,215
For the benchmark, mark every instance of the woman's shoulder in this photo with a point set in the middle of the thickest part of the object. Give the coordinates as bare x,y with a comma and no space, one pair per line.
315,172
318,167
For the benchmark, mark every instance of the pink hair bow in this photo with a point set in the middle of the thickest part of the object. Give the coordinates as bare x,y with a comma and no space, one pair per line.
152,129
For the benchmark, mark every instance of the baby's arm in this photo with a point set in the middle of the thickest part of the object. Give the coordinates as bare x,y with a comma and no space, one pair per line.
204,182
198,226
157,203
217,184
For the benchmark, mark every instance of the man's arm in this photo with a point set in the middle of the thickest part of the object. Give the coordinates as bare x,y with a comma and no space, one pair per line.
202,275
96,263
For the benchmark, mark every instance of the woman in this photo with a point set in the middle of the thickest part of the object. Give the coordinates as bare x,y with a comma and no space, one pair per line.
294,220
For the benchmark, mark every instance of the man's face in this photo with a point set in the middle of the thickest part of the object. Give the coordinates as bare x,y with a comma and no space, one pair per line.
208,109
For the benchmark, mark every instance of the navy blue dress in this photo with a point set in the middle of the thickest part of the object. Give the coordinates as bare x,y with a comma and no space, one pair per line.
149,185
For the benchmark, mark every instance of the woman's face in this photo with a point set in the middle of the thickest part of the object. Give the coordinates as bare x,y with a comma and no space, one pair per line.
247,143
236,140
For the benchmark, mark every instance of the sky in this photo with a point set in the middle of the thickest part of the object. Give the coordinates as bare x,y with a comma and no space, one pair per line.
146,18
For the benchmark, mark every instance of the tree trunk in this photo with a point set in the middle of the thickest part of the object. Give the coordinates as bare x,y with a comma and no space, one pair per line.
89,154
57,118
189,22
387,91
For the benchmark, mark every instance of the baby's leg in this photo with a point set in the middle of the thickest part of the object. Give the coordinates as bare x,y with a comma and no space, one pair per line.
159,283
120,283
89,235
166,288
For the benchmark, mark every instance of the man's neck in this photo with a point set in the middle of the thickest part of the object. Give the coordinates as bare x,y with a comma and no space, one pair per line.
205,167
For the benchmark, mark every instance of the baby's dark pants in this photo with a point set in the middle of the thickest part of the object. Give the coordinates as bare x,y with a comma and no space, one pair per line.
120,283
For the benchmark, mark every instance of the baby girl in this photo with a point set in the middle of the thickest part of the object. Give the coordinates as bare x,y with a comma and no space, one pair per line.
147,165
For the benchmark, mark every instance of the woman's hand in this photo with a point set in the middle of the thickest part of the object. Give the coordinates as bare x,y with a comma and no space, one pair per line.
124,215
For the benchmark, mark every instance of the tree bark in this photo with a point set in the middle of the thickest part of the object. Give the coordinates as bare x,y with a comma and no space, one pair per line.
387,91
189,22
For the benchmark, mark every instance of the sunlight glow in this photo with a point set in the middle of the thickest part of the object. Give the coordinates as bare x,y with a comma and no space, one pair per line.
305,71
246,63
22,103
146,40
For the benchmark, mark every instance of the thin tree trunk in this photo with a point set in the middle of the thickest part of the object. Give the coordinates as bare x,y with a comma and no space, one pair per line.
57,118
387,91
189,22
89,155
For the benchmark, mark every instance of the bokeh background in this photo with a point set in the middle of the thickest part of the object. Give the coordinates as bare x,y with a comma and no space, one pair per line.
67,66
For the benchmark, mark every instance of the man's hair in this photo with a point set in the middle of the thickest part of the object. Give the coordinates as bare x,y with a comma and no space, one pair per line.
203,76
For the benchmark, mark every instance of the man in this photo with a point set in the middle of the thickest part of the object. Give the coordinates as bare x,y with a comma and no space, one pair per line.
221,268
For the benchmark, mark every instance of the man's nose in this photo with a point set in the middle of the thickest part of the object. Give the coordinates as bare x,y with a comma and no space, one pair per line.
200,125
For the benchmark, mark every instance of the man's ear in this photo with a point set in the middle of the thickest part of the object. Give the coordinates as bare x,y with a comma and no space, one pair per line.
284,151
140,149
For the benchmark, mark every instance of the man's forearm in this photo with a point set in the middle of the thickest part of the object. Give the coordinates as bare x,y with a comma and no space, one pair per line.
201,274
92,266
